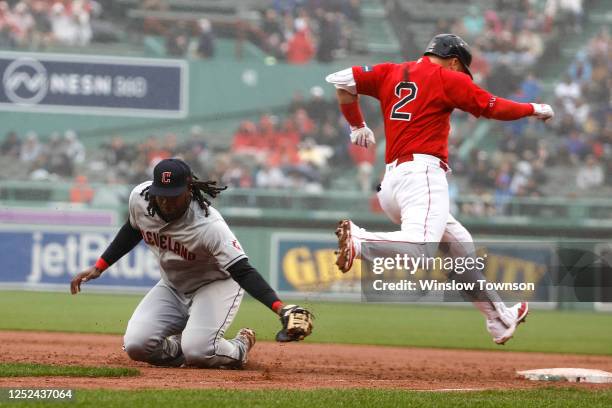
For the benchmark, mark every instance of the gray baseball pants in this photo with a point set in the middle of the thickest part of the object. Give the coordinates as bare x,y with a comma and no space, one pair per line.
172,329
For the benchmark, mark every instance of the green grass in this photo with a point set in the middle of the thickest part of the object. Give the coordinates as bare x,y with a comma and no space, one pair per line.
352,323
44,370
545,397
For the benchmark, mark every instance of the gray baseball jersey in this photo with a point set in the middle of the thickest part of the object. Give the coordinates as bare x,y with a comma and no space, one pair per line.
192,251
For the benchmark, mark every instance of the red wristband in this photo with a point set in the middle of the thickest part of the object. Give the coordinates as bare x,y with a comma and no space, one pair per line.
101,264
352,113
276,306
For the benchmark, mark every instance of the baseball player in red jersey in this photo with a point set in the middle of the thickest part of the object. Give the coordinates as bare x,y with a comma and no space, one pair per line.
416,100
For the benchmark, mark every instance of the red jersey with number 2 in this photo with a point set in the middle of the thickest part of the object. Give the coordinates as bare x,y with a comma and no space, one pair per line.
416,99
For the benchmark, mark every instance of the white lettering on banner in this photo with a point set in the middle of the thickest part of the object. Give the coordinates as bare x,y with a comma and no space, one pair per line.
130,87
35,272
75,84
105,85
74,253
129,271
92,246
53,257
72,247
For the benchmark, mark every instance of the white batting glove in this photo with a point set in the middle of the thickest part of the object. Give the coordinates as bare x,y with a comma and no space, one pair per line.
362,136
543,111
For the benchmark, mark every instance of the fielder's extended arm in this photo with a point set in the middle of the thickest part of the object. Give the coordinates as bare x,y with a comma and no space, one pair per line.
126,239
254,284
296,320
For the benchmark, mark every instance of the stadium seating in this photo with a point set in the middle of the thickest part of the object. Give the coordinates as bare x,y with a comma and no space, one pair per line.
526,166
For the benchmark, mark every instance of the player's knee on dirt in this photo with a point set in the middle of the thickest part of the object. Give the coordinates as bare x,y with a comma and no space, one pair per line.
200,357
199,350
141,347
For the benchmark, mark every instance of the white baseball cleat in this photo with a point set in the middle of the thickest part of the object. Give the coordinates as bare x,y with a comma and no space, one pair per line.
519,314
346,247
246,337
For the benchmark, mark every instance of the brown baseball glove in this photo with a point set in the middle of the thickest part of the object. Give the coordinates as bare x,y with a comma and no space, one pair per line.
297,323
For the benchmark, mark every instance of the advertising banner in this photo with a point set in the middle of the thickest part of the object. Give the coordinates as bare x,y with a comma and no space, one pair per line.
48,257
99,85
536,271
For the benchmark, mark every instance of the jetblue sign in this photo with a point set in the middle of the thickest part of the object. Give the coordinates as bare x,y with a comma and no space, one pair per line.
93,85
51,257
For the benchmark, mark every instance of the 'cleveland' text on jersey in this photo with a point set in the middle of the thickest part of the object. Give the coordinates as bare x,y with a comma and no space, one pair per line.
193,250
166,242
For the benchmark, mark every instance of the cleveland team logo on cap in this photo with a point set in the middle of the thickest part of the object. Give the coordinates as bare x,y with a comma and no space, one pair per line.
166,177
170,178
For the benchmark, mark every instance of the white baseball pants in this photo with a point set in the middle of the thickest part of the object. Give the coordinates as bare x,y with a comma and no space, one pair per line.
415,195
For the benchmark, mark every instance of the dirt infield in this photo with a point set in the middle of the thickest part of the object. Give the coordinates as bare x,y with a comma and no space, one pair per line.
290,366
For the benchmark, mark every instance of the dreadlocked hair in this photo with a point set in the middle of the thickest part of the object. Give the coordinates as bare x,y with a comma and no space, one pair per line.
198,189
209,187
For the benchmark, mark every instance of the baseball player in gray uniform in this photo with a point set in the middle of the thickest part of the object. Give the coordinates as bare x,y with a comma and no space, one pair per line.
204,273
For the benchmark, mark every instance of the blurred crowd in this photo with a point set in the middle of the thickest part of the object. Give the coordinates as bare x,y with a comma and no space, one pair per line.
295,31
299,151
506,39
36,24
186,38
300,31
573,153
509,39
56,158
302,149
307,148
190,39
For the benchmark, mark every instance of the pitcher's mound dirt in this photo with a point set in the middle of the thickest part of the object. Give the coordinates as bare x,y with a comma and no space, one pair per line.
289,366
